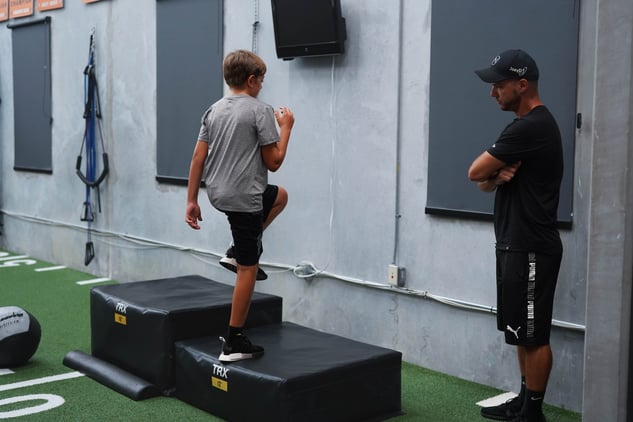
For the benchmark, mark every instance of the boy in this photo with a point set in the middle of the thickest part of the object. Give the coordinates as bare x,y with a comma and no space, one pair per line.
237,145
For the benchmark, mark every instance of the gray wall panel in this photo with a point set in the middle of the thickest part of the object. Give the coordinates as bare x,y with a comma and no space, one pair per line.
189,77
32,96
464,119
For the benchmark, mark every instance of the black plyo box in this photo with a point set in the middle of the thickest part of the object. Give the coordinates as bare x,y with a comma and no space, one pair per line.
304,375
135,325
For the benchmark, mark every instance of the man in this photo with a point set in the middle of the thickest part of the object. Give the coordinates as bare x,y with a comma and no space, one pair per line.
524,167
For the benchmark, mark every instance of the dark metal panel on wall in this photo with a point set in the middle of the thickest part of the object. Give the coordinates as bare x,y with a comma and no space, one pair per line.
32,95
189,44
464,120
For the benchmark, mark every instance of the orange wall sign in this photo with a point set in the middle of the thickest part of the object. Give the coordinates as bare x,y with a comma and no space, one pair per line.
4,10
20,8
43,5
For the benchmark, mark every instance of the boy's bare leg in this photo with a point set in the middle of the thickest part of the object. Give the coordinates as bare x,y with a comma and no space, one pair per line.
242,293
278,206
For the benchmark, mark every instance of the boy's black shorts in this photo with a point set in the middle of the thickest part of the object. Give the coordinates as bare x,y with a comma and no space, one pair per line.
526,282
247,229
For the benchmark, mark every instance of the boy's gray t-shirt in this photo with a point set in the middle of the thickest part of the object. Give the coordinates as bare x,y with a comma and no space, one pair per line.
235,128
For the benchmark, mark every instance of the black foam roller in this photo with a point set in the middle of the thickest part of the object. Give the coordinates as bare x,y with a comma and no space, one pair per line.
111,376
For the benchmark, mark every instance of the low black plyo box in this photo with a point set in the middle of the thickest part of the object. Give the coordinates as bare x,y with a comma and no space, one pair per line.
135,325
304,375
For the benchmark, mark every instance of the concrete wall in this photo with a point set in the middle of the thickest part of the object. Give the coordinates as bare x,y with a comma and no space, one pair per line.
610,263
358,156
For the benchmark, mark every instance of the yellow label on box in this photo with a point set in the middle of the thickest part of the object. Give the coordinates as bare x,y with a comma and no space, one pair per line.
220,384
120,319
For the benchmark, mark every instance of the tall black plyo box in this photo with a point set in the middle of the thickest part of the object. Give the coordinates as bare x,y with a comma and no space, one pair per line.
135,325
304,375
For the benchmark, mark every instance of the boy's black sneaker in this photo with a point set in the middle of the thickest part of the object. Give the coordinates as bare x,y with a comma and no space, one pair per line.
229,262
239,348
505,411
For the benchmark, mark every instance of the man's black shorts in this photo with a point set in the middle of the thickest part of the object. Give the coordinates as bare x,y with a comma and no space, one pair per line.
247,229
526,282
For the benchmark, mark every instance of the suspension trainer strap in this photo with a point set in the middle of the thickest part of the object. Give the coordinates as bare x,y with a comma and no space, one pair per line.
92,117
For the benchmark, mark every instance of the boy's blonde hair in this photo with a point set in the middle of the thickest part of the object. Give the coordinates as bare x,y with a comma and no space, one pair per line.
239,65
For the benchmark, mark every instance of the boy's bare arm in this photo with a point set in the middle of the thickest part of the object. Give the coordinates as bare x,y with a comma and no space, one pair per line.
274,154
192,213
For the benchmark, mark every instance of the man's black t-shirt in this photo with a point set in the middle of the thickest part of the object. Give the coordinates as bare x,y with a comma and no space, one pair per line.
525,211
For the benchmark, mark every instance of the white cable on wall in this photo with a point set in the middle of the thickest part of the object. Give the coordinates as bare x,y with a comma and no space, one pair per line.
255,25
312,270
334,132
304,270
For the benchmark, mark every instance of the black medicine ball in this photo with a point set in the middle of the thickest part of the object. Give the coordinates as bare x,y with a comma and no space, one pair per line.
20,334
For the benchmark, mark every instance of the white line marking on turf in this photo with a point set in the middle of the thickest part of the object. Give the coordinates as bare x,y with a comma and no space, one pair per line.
497,400
6,371
43,380
57,267
10,258
52,401
93,281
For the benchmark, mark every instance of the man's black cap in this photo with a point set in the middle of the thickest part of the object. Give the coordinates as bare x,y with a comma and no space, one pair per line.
511,64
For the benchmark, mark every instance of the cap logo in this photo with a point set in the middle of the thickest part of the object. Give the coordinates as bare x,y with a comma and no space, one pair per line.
520,71
495,60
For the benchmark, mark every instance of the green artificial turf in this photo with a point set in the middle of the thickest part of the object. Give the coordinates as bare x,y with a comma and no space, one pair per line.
431,396
62,308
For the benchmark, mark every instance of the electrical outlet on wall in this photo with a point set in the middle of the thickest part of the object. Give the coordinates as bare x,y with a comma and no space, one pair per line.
396,275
